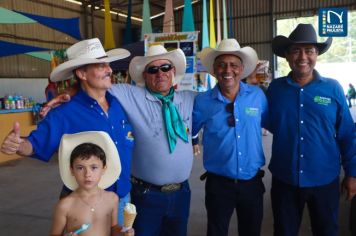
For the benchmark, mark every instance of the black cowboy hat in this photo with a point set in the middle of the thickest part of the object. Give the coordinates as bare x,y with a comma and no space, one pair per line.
303,34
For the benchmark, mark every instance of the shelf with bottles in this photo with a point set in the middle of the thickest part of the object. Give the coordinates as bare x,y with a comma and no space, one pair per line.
16,102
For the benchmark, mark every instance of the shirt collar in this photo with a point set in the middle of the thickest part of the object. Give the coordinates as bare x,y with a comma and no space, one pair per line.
89,100
316,76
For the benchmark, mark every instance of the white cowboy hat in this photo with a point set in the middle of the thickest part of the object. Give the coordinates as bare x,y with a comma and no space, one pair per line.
86,52
100,138
230,46
157,52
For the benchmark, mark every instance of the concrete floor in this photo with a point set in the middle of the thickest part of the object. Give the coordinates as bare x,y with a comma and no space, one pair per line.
29,189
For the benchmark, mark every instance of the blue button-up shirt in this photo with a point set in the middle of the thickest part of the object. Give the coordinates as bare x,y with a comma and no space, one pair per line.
313,131
234,152
83,113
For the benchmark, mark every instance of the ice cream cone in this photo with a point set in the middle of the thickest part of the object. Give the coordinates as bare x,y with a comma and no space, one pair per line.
129,219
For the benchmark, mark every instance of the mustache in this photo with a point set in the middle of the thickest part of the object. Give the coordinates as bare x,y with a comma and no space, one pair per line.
108,74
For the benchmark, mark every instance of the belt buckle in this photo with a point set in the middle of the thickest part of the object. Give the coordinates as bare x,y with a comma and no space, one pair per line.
170,188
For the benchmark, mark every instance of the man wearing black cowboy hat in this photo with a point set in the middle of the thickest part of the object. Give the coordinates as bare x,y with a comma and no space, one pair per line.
313,133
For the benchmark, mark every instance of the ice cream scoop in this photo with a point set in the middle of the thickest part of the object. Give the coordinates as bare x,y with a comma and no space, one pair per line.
131,208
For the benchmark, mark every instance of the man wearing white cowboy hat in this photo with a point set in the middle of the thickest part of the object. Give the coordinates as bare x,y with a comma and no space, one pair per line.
313,133
232,140
91,109
162,155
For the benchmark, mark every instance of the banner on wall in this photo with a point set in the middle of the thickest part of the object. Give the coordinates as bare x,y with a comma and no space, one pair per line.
188,42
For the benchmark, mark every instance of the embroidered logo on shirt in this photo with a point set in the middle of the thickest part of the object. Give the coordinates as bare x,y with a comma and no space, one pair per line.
129,136
251,111
322,100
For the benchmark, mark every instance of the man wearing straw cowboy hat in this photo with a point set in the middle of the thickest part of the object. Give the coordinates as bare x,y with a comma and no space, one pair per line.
162,155
91,109
232,140
313,133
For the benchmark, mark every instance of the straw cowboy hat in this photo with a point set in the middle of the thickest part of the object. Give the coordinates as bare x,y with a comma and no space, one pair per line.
86,52
100,138
303,34
157,52
247,55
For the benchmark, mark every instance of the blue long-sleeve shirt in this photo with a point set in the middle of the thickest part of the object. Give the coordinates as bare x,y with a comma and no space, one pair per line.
313,131
83,113
235,152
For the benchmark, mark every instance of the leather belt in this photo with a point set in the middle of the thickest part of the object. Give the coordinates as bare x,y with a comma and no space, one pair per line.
259,174
167,188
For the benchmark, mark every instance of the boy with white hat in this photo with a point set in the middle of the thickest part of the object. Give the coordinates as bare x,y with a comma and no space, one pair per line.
91,109
88,163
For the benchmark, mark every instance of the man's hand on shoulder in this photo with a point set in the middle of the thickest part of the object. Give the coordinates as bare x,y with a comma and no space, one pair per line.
60,99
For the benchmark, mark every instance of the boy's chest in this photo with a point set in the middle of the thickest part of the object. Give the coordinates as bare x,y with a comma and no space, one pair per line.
98,217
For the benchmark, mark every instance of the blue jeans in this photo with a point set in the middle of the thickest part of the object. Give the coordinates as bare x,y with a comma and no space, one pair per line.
288,202
161,213
120,212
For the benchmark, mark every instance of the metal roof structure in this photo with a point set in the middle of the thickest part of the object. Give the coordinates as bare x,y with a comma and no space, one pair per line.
157,7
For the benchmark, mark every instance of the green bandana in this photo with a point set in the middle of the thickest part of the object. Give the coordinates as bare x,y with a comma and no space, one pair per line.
173,122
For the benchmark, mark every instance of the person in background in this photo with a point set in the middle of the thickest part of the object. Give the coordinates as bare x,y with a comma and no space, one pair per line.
232,140
313,134
351,94
51,90
88,163
92,108
253,80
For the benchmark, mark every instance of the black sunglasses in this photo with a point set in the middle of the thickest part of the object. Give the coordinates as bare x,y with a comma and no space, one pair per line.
154,69
231,119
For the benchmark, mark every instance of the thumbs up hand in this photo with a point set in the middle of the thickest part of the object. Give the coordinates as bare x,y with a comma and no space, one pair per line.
12,141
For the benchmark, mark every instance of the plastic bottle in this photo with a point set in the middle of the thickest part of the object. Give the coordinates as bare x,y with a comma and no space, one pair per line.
22,105
31,102
17,102
6,103
12,102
